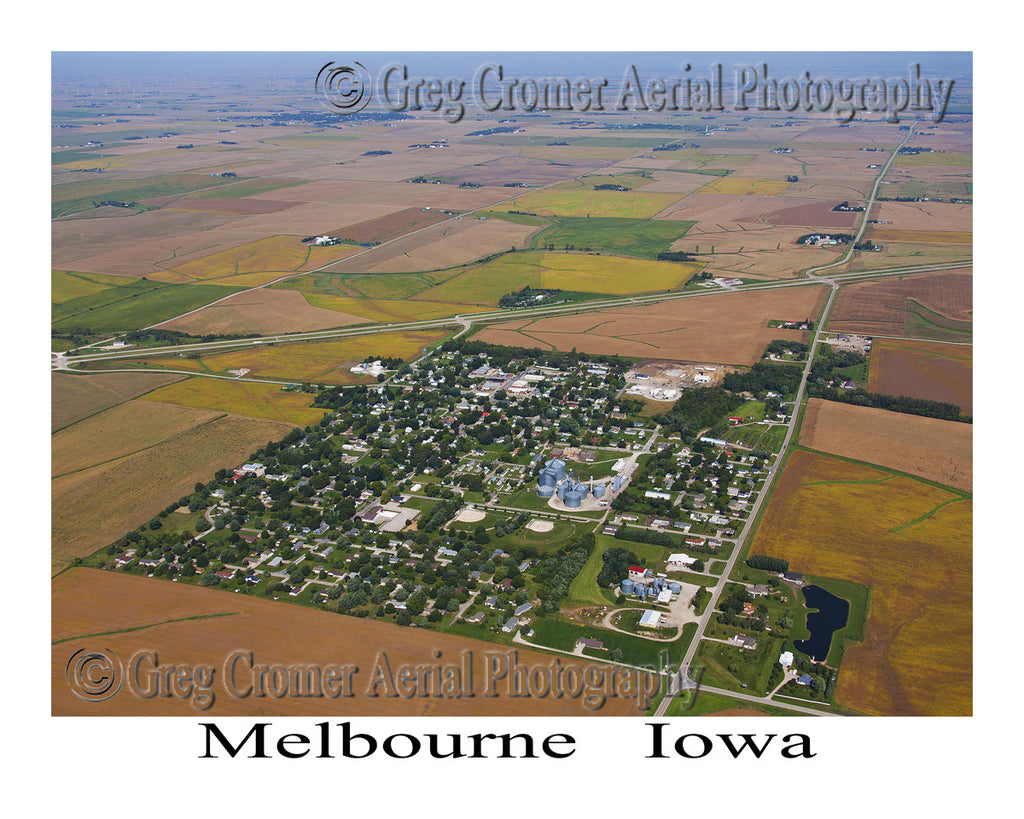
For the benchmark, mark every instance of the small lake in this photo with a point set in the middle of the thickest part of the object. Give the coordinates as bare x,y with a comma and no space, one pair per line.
831,615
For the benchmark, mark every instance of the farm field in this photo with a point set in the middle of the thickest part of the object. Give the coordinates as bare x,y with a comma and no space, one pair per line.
275,253
731,328
745,186
247,398
188,624
929,448
133,306
912,544
74,397
77,196
942,237
486,283
936,304
440,246
265,311
321,362
629,237
115,470
919,369
580,202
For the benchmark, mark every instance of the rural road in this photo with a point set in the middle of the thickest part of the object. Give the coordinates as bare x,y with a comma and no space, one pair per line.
773,472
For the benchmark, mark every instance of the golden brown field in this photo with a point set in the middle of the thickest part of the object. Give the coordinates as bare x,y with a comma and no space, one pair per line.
249,398
124,614
265,311
880,308
731,328
114,471
74,397
930,448
944,237
911,542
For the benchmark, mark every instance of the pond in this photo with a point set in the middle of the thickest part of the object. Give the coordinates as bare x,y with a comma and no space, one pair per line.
831,615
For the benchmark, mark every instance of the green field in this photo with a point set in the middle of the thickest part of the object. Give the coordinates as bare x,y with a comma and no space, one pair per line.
631,237
925,323
135,304
248,187
79,196
635,650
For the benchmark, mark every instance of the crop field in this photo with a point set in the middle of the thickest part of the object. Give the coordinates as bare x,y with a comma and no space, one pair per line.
630,237
321,362
731,328
77,196
275,253
248,398
583,203
926,216
888,307
911,542
133,305
943,237
745,186
74,397
389,310
577,272
441,246
195,626
391,226
929,448
115,470
266,310
938,372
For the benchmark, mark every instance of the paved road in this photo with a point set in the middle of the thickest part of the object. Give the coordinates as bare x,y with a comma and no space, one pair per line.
812,273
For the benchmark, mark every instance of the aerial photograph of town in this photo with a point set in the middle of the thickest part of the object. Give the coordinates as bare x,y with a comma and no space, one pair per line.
513,384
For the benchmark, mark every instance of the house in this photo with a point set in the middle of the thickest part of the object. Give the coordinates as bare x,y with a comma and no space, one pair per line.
793,577
589,642
511,624
743,641
475,618
803,679
492,602
760,590
523,609
749,609
786,659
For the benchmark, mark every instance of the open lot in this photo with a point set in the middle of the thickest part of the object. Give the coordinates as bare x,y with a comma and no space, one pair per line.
911,542
930,448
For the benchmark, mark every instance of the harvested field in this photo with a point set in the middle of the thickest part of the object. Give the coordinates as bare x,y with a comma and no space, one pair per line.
919,369
944,237
119,468
74,397
911,542
441,246
266,311
730,328
816,215
758,252
528,170
247,398
881,308
196,626
928,216
244,207
391,226
929,448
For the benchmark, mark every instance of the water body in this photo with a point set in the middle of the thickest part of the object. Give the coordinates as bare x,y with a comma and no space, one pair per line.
831,615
